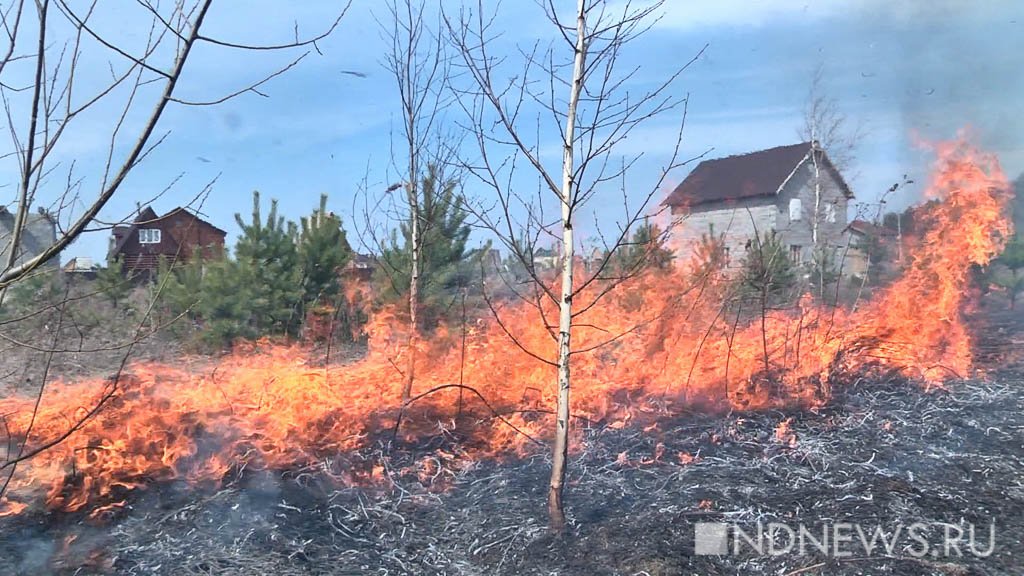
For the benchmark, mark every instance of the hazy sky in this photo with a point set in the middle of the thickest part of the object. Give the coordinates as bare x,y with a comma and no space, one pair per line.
899,71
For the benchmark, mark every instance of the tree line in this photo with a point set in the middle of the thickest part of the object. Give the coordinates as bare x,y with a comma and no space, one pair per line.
286,279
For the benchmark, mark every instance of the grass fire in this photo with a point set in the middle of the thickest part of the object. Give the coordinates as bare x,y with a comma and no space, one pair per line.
512,288
683,342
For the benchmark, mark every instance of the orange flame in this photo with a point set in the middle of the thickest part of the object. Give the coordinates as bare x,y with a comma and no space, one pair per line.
656,344
784,433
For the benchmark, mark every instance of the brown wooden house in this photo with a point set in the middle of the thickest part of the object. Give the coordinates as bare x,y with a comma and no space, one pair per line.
174,237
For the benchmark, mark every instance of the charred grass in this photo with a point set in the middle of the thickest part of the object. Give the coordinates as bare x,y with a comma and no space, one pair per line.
885,452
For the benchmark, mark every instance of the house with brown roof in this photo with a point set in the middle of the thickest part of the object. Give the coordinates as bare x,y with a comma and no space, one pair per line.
175,237
768,190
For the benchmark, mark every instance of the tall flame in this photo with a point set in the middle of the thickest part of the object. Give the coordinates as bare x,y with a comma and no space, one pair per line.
659,343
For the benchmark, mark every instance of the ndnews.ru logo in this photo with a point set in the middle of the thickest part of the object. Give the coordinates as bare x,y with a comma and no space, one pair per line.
846,539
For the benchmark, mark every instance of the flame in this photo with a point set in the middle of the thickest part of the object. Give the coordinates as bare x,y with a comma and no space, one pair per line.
11,508
659,343
784,433
685,458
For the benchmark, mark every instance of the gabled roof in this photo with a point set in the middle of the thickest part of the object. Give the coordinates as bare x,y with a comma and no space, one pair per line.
761,173
196,216
40,215
145,215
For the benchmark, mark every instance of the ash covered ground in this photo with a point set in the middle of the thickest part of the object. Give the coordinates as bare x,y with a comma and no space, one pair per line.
885,452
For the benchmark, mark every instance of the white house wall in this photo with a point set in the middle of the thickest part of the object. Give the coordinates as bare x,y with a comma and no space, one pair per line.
800,233
738,223
741,220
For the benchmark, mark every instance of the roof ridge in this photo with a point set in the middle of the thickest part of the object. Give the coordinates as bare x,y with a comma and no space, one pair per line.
754,174
761,151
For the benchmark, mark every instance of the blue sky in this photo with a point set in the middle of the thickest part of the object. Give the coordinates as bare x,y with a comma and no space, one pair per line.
896,68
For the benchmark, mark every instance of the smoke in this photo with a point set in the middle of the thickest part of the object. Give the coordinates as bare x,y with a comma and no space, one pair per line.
28,555
955,64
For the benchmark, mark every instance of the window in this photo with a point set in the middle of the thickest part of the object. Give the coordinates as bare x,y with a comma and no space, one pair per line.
149,236
795,253
830,213
796,210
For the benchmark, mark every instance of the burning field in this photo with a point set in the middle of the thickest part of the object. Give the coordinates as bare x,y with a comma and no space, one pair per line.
689,405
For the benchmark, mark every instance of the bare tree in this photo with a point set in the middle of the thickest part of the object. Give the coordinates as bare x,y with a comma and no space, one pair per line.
63,74
829,130
59,94
580,87
416,59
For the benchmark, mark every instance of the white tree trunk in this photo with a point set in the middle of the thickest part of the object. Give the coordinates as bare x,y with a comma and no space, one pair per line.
817,195
817,253
414,280
560,454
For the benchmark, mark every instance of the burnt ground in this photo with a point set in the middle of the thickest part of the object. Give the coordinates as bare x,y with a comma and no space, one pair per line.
885,453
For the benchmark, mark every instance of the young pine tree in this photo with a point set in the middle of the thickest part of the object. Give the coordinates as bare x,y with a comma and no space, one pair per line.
767,272
268,260
113,284
213,297
824,271
710,259
1012,280
645,250
323,251
445,264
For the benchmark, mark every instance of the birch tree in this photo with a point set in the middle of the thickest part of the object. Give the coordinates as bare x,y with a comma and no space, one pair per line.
580,89
417,62
828,129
